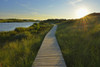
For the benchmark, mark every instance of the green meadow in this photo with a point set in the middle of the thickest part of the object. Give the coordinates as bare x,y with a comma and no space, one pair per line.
18,48
79,41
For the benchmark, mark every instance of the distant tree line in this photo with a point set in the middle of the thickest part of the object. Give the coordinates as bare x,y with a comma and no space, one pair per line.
54,20
17,20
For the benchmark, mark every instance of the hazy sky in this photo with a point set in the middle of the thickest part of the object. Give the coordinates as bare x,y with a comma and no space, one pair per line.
44,9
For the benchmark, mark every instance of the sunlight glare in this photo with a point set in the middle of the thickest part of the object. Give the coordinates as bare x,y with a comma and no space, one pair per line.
82,12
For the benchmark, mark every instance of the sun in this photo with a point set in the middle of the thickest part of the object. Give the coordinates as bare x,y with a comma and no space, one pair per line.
82,12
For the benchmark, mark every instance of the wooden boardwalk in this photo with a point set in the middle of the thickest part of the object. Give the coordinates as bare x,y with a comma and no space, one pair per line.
49,54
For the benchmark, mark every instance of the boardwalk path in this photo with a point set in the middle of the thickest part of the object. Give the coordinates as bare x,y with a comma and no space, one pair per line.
49,54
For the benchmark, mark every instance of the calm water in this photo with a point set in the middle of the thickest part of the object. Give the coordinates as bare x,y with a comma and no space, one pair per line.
12,26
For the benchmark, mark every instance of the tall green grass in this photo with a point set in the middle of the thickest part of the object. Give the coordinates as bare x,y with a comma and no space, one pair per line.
80,41
21,47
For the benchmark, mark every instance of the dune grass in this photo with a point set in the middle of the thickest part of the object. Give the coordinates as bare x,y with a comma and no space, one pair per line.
21,45
80,41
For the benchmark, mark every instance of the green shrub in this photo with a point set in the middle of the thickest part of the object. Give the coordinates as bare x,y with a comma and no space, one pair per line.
22,48
22,35
20,29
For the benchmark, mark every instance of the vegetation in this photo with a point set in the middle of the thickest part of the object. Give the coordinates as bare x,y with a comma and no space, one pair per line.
18,48
80,41
16,20
53,21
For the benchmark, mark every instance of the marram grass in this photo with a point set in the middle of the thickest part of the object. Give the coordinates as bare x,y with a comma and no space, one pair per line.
80,42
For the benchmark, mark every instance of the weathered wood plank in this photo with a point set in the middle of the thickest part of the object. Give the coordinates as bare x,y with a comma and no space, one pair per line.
49,54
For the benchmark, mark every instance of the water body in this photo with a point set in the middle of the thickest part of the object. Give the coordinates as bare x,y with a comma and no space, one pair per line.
12,26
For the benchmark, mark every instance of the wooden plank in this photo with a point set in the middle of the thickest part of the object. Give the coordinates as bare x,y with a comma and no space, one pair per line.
49,54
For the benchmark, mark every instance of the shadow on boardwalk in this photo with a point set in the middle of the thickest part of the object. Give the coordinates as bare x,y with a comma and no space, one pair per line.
49,54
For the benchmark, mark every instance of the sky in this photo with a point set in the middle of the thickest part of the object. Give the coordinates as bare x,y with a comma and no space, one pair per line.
45,9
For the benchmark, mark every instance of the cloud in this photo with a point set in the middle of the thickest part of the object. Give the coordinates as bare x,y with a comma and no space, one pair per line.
74,2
